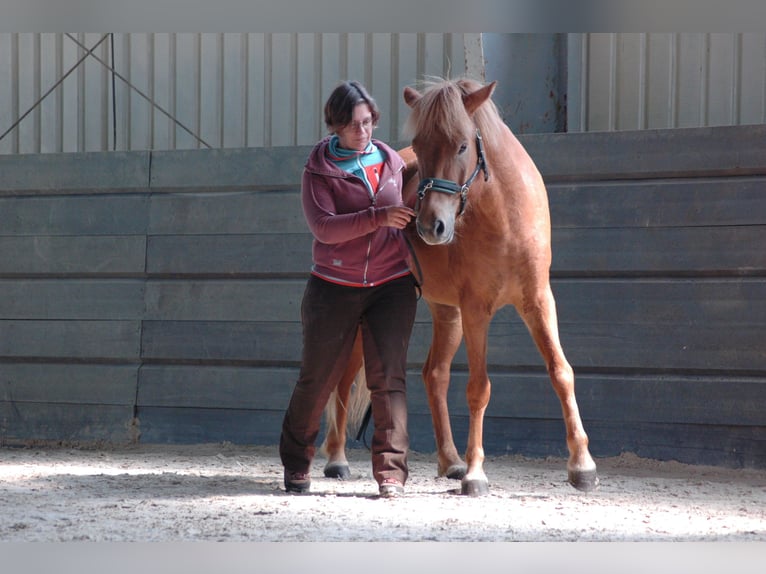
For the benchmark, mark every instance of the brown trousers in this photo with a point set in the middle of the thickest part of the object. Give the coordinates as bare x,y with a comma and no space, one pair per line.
331,315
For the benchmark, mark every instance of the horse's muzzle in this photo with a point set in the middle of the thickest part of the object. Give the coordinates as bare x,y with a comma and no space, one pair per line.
438,232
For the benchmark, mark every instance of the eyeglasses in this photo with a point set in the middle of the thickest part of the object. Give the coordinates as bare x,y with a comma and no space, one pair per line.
365,124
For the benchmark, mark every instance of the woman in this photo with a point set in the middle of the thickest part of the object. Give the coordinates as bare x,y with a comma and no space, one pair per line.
352,201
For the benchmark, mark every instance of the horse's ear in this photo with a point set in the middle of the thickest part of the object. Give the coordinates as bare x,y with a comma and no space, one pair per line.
473,100
411,96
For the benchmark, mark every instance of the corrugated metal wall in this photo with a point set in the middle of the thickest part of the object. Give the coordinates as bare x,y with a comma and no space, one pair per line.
262,90
208,90
653,81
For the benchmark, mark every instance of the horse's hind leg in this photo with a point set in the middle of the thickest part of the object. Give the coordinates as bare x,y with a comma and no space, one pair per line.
539,314
337,418
447,334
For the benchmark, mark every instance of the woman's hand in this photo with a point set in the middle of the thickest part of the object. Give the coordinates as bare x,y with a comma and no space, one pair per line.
397,216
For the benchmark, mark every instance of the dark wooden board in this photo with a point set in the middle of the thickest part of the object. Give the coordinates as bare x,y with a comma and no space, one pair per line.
227,213
67,215
196,426
97,254
94,341
697,202
674,251
228,169
65,173
649,154
262,254
74,384
24,422
215,387
96,299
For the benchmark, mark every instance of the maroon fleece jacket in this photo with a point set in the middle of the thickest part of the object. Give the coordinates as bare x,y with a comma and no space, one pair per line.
350,246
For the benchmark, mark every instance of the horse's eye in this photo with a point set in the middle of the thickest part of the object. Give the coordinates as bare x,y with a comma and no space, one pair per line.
463,147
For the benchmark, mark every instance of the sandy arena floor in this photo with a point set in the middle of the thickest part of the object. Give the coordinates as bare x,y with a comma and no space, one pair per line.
222,492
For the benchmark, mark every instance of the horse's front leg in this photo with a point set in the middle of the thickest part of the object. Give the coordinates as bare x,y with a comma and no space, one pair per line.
337,417
475,327
447,334
539,314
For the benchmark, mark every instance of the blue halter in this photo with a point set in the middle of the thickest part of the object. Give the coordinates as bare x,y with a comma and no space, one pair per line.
452,188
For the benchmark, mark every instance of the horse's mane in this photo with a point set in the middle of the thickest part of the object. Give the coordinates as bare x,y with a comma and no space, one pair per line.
440,112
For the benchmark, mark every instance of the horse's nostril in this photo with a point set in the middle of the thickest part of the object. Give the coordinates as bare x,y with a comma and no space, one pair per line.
439,228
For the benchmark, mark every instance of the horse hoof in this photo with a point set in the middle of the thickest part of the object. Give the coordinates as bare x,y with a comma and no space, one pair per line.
585,480
337,470
474,488
456,471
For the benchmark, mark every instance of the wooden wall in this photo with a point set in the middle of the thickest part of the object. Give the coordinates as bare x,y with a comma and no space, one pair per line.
154,297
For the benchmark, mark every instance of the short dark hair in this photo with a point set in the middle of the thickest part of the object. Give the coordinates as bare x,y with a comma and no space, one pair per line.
339,107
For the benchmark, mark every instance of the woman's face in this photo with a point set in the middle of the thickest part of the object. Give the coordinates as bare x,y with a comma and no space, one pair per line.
357,133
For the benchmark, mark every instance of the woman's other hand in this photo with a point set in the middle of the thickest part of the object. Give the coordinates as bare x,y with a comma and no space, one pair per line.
397,216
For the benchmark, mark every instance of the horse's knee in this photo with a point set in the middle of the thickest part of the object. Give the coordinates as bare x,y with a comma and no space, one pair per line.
477,394
562,374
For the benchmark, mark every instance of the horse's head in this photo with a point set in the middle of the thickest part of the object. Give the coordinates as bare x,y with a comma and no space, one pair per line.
449,150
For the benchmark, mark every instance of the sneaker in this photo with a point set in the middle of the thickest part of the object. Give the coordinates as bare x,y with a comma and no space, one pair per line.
391,488
299,482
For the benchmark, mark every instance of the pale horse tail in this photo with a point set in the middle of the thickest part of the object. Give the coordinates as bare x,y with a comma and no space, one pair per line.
358,401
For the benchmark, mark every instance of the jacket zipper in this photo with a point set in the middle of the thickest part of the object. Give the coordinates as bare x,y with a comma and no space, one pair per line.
371,194
373,199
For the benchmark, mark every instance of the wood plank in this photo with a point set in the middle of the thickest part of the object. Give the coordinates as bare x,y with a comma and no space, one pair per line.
723,302
221,341
195,426
77,254
731,446
25,422
96,299
68,384
224,300
215,387
726,250
73,340
228,169
709,152
74,215
227,213
659,203
64,173
270,254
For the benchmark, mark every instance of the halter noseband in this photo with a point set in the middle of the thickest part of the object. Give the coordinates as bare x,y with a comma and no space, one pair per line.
452,188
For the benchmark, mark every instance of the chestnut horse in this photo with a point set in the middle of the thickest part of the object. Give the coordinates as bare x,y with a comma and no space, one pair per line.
483,241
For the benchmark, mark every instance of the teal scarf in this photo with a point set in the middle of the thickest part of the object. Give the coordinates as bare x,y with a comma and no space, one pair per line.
356,162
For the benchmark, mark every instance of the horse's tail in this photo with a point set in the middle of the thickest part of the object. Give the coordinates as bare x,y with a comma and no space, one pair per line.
356,407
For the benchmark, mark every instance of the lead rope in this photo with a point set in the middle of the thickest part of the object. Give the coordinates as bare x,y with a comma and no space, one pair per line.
360,434
419,277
